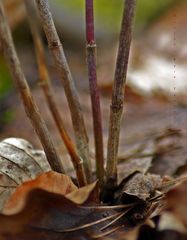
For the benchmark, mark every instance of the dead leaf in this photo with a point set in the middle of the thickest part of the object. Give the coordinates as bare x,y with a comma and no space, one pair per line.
176,202
80,195
147,233
168,221
52,216
38,156
51,181
130,166
19,162
142,186
170,154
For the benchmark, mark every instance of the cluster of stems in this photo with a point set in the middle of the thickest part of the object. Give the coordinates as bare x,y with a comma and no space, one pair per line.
79,152
65,75
45,83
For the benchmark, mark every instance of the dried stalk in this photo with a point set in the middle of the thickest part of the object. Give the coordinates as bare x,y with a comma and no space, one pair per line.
67,81
45,83
118,91
94,91
25,93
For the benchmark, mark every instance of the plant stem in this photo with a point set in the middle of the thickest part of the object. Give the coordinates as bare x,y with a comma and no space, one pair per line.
94,91
67,81
45,83
118,90
31,108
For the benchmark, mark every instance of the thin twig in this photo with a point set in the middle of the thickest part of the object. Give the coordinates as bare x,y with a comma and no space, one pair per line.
104,234
118,90
31,109
155,153
67,81
94,91
97,222
124,158
45,82
112,207
115,220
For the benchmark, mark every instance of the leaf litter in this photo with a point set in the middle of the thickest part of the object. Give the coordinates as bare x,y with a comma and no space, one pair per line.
136,186
149,173
77,212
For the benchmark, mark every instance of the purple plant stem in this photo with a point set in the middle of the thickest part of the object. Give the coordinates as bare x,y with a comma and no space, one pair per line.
116,109
94,91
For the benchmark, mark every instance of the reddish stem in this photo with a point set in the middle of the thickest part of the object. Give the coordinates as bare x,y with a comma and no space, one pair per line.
89,21
94,91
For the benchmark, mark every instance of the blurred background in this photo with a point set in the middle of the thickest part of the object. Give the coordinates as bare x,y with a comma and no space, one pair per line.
159,42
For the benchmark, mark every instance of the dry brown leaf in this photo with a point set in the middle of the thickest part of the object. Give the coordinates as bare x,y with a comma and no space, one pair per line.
168,221
177,202
170,154
19,162
131,166
51,181
81,195
37,156
52,216
142,186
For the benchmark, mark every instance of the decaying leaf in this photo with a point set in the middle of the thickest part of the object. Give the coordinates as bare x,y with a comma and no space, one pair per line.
168,221
38,156
170,154
52,216
177,202
131,166
51,181
19,162
141,186
81,195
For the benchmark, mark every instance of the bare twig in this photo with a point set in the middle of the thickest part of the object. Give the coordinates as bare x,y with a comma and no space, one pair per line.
45,82
96,222
26,96
94,91
118,90
67,81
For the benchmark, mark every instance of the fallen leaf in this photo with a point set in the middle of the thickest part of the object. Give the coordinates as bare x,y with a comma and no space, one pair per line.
19,162
170,154
147,233
51,181
130,166
142,186
168,221
80,195
176,202
38,156
53,216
